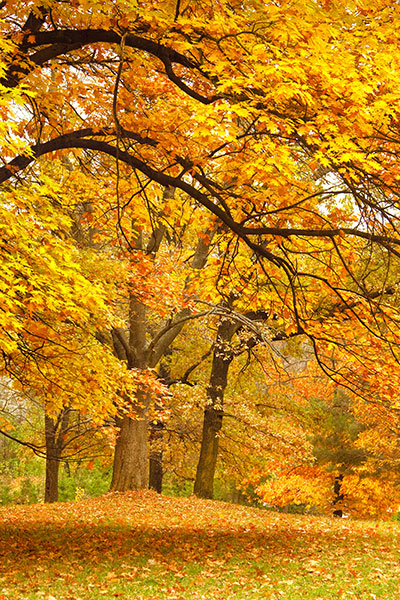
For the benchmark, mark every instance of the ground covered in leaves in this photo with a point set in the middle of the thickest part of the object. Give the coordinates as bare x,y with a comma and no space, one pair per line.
141,545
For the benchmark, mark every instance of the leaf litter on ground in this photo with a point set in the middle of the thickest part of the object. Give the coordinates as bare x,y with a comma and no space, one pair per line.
141,545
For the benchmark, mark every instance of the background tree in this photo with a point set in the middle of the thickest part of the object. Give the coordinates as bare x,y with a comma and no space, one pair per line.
347,471
66,440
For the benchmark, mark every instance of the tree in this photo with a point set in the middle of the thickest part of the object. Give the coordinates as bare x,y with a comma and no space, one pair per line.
246,109
213,411
65,438
131,459
230,418
353,467
51,308
223,352
69,438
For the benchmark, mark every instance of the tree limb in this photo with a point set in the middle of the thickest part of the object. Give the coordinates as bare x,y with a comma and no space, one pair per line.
63,41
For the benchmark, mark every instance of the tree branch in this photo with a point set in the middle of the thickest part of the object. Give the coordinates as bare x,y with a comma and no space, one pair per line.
63,41
36,449
77,140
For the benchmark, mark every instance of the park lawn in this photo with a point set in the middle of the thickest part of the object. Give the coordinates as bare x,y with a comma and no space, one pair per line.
142,545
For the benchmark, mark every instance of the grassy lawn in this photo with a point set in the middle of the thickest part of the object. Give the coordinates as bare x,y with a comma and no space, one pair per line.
141,545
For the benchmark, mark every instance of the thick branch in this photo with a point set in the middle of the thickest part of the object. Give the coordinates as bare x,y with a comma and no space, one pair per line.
73,140
63,41
322,233
78,139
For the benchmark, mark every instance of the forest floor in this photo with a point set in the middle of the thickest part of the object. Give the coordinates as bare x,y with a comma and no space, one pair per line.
141,545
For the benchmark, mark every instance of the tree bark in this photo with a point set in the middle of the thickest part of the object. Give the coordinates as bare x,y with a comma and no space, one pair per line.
54,431
338,512
155,467
130,457
51,485
213,412
204,482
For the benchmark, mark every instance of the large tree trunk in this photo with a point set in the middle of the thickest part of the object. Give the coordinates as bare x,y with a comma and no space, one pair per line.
130,457
212,423
131,454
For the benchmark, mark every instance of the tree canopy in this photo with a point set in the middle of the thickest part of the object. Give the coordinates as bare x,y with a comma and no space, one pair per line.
260,137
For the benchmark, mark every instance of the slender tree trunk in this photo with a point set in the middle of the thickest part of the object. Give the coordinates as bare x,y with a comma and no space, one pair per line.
53,455
212,423
156,456
338,512
157,432
213,413
156,471
51,485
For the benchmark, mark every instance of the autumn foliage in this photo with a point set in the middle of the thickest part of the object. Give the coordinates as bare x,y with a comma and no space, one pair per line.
184,187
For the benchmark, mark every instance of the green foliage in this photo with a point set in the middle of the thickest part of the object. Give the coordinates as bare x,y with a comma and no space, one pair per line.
176,487
22,481
334,444
92,482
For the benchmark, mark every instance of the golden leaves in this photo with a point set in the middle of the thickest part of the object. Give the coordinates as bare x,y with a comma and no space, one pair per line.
50,308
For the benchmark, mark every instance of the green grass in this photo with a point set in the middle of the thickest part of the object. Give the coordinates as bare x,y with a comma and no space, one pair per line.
141,545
